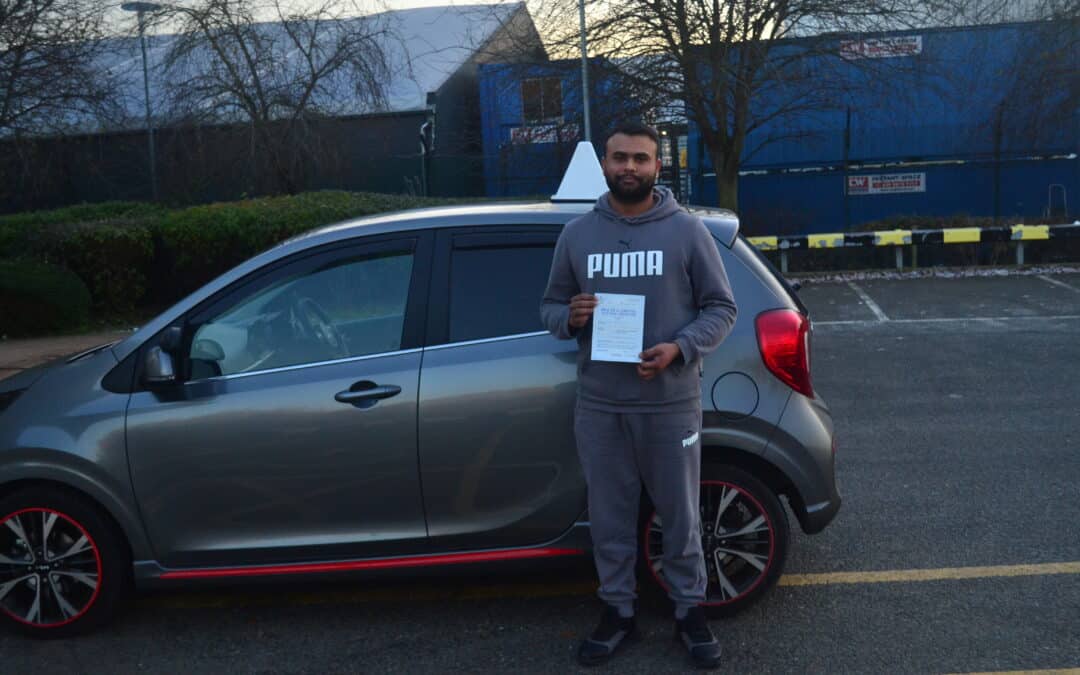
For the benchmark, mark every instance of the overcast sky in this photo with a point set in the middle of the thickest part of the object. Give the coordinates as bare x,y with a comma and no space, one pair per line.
123,20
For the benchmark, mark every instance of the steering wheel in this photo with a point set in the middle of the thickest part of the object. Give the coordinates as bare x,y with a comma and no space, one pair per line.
315,322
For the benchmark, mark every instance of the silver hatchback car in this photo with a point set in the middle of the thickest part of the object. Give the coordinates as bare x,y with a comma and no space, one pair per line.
379,395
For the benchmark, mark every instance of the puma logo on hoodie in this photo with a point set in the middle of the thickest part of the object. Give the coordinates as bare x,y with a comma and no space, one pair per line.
625,265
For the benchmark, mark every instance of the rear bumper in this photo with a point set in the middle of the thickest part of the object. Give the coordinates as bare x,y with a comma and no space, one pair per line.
803,449
815,517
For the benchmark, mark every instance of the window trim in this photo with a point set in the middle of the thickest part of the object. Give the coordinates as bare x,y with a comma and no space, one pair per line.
481,341
302,366
534,121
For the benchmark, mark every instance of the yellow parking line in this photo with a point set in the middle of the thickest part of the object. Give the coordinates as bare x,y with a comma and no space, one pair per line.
1060,671
938,574
471,590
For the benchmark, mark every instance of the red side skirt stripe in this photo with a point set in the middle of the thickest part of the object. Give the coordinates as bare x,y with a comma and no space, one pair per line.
384,563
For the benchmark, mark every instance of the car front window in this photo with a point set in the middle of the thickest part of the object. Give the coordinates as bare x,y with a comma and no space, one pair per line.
349,308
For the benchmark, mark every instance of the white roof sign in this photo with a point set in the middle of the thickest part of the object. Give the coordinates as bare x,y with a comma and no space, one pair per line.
584,179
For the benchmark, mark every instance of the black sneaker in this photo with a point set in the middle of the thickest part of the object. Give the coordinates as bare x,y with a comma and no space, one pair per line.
613,631
699,640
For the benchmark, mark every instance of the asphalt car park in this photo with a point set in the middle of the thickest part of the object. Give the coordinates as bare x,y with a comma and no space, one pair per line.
934,298
956,550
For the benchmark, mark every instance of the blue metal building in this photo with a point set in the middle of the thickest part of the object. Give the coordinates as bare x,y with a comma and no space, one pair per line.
532,119
958,124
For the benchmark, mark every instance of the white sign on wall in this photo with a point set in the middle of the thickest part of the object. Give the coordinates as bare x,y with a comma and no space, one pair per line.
886,183
882,48
545,133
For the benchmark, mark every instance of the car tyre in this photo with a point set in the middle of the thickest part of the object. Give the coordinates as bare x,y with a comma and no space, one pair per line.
64,566
745,548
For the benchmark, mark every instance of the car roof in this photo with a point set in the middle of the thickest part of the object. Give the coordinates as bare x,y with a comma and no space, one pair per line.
723,224
487,213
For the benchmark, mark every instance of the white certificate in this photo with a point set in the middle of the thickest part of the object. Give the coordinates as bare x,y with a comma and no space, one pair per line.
618,327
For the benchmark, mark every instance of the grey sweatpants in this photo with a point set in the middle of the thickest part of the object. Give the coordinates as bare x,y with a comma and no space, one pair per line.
619,452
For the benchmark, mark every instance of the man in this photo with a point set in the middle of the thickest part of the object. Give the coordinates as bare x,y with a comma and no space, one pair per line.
640,423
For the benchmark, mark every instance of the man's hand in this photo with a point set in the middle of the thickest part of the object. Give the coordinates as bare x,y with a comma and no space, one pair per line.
581,309
655,359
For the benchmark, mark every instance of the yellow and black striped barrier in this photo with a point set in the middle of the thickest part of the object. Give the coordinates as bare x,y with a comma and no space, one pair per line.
962,235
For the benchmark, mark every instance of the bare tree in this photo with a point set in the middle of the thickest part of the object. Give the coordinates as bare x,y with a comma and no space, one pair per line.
1024,78
309,61
48,81
727,61
1042,77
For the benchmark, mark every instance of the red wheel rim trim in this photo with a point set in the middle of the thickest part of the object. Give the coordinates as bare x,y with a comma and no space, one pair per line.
97,561
761,576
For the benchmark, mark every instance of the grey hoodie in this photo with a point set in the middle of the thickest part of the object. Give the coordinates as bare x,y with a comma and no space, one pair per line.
665,254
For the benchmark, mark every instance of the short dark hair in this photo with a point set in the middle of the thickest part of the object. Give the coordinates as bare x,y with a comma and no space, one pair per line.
634,129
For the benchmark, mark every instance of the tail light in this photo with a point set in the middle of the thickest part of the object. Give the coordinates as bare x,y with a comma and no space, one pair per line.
784,340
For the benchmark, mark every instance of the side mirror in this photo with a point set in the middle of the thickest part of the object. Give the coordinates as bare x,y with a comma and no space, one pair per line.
171,339
158,367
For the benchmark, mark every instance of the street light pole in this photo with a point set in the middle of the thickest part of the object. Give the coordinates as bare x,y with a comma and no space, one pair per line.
140,9
584,71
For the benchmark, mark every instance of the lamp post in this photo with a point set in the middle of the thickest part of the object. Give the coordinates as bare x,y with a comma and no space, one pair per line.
584,71
140,9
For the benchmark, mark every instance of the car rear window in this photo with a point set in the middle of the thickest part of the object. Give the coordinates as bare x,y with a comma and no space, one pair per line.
770,269
496,290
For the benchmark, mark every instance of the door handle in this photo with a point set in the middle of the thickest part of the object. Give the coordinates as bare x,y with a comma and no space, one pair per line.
369,392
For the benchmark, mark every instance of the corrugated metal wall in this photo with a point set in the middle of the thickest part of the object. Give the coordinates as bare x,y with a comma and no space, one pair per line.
941,103
962,100
808,202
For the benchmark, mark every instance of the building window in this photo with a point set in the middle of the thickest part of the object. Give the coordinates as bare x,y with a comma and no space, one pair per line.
541,99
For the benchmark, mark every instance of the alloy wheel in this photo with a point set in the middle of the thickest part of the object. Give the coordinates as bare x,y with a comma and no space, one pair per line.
738,538
50,568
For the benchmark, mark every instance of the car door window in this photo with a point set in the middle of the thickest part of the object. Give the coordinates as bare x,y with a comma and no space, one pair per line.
496,289
346,307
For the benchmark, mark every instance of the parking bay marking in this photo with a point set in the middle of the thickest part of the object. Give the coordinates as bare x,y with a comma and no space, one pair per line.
1056,282
955,319
868,301
588,588
1058,671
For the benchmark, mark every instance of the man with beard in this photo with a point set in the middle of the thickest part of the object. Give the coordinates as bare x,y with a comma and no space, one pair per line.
640,423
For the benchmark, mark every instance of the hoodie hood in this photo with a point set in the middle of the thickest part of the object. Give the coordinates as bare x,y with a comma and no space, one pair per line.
664,206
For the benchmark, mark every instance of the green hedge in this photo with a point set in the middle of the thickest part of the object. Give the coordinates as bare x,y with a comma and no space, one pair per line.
84,213
38,298
132,254
17,228
200,242
112,257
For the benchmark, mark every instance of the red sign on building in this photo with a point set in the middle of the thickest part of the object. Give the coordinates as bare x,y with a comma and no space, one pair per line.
886,183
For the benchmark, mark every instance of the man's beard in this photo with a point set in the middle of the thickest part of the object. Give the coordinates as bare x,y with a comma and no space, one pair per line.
630,194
